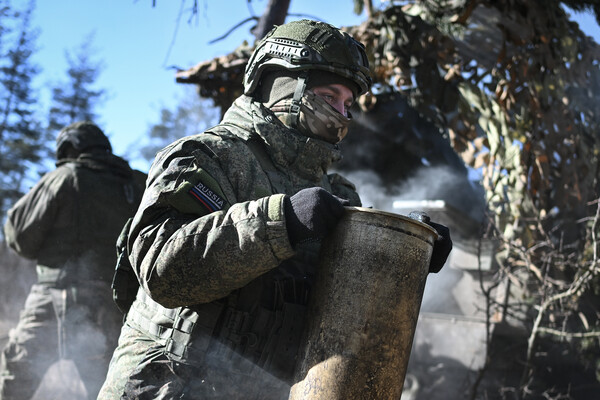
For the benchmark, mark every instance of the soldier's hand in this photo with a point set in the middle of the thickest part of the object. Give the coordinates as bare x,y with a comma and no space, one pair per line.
311,214
441,247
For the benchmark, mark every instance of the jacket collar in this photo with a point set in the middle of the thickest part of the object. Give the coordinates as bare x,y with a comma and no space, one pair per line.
100,162
289,150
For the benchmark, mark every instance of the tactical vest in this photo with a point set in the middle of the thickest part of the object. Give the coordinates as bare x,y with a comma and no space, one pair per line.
257,322
231,327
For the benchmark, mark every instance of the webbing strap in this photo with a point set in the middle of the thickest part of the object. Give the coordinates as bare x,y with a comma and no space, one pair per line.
193,331
148,326
185,332
275,177
297,100
261,155
144,310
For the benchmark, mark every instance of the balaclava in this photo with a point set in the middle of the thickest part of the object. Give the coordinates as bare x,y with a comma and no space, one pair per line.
317,118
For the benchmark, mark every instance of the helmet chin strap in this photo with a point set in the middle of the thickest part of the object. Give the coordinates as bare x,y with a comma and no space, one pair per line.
297,99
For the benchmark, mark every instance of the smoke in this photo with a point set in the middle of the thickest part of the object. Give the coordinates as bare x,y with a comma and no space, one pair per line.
426,183
85,343
18,274
372,191
82,349
462,211
232,376
62,380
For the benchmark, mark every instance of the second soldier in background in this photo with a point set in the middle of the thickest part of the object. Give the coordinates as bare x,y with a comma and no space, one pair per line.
69,222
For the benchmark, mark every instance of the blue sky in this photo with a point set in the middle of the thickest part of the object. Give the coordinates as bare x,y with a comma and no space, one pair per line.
137,42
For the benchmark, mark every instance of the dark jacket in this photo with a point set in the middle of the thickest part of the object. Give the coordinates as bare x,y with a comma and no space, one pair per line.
70,220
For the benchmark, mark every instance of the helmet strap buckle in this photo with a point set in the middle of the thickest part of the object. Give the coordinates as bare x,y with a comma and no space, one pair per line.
297,99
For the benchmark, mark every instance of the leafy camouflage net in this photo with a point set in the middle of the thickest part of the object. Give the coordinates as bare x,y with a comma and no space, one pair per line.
515,87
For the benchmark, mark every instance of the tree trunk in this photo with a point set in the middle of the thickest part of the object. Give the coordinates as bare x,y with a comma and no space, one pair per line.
274,14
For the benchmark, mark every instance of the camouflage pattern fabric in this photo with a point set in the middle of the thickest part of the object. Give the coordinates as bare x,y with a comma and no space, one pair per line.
316,119
69,222
212,250
191,257
146,372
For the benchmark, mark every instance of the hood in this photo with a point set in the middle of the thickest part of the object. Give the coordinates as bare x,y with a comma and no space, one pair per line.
100,162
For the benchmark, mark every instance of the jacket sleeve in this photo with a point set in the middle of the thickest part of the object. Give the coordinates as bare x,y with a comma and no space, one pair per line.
33,217
192,242
342,187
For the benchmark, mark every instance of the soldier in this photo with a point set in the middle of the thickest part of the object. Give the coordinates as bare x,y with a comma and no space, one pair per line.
69,222
226,239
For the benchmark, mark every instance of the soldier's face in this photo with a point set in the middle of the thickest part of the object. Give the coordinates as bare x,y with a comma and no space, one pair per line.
337,95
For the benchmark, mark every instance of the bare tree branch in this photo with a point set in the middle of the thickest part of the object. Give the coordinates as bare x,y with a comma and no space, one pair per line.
275,14
233,29
575,288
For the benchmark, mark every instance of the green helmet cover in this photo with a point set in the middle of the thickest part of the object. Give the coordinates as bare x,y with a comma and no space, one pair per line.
306,45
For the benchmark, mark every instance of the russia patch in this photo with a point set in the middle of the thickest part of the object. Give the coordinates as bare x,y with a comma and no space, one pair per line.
209,199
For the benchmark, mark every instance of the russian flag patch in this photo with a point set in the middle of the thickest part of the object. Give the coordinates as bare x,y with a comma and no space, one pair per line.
209,199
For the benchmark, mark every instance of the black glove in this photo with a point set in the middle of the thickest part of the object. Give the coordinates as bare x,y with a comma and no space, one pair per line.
311,214
441,247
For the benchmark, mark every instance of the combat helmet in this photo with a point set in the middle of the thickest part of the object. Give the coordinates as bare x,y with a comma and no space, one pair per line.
309,45
81,135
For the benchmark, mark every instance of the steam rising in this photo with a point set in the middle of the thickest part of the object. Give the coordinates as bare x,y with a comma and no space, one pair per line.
61,379
455,191
427,183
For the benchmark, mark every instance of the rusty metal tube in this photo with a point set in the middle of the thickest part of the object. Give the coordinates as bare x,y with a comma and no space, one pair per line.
364,308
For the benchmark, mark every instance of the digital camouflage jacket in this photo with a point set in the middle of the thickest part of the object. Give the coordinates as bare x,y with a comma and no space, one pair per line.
210,246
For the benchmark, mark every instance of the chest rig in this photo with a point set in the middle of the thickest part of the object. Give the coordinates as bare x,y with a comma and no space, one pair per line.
261,322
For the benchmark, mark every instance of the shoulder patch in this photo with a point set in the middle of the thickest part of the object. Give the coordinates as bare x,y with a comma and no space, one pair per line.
198,194
209,199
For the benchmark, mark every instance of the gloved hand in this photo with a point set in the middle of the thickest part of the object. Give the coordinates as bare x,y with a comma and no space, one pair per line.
441,247
311,214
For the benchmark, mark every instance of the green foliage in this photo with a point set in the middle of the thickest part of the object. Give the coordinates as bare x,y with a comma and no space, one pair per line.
24,135
76,98
191,116
22,142
517,89
358,6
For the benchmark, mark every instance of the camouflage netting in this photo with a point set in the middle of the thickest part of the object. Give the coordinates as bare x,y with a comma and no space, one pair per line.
514,88
496,78
219,79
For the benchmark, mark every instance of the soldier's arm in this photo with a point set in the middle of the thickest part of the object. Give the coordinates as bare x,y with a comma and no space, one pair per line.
192,242
30,220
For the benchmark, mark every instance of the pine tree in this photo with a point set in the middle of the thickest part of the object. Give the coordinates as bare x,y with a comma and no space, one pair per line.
76,99
22,142
192,115
5,11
